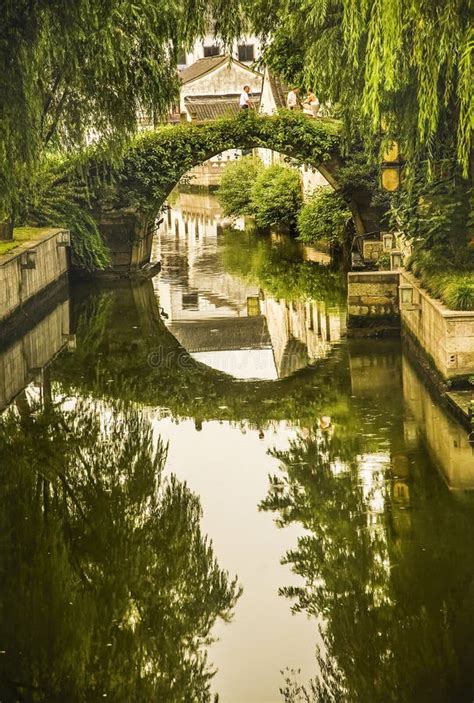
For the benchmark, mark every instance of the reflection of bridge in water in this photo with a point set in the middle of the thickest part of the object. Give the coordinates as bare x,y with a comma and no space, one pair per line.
224,321
376,369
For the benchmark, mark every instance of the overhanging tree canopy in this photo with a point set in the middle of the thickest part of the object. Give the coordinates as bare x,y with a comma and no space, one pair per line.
67,68
406,62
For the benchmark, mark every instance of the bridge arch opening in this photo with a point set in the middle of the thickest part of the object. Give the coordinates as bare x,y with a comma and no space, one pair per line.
157,160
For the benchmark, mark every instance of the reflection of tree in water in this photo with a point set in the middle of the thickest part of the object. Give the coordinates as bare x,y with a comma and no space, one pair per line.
108,588
393,586
279,270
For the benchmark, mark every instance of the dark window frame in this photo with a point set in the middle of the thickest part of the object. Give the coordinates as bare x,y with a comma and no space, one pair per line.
211,50
246,53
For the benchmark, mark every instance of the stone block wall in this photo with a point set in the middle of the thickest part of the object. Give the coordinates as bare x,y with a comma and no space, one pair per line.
128,235
21,360
447,336
372,301
372,249
19,285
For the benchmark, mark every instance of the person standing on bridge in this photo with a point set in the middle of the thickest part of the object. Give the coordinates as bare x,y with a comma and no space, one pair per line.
292,99
311,104
246,101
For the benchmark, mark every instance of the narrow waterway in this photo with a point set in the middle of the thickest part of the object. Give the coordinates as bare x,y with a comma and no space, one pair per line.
200,474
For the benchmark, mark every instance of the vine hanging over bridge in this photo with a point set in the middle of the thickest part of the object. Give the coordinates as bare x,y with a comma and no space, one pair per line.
133,190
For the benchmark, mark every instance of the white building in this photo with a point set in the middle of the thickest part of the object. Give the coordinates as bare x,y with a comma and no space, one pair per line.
211,87
274,93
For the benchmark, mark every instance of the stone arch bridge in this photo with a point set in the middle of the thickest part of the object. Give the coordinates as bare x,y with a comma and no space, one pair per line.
127,202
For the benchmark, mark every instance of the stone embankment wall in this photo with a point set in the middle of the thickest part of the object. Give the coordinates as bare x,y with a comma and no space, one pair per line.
18,284
446,336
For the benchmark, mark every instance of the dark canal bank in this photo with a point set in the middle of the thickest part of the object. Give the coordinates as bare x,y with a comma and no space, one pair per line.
201,473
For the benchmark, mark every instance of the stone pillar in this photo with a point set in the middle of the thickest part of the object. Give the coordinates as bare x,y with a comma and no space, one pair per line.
128,236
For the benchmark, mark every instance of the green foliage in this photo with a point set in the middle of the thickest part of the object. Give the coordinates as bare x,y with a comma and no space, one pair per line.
405,61
69,69
108,586
235,189
157,160
324,219
453,284
58,200
383,262
389,631
436,215
277,196
280,272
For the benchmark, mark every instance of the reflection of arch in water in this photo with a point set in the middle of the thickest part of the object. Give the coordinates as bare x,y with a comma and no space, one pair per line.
125,350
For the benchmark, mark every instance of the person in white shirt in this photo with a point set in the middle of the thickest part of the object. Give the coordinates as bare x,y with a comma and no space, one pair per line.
311,104
292,99
245,99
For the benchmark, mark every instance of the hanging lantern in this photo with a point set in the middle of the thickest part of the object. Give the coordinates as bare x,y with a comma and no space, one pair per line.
391,167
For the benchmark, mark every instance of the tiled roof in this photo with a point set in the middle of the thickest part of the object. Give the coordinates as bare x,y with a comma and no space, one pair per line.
200,67
279,89
219,334
210,107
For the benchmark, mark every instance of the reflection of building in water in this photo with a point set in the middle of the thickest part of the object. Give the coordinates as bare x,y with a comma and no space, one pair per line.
377,373
301,332
447,441
222,320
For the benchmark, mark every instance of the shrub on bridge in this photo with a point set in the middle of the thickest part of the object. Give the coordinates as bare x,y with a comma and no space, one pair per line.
324,219
235,190
277,197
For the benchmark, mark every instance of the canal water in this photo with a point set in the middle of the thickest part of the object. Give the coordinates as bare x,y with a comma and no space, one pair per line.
208,493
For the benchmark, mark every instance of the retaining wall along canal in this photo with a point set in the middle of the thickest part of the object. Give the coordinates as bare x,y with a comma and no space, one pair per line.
445,336
23,358
30,269
372,302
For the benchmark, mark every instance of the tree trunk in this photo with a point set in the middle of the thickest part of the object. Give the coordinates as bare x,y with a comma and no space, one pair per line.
6,230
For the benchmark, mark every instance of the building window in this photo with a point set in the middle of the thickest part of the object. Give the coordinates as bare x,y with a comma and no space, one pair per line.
246,53
181,58
213,50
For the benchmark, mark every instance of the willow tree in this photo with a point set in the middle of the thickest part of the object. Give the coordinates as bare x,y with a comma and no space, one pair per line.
75,69
404,63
